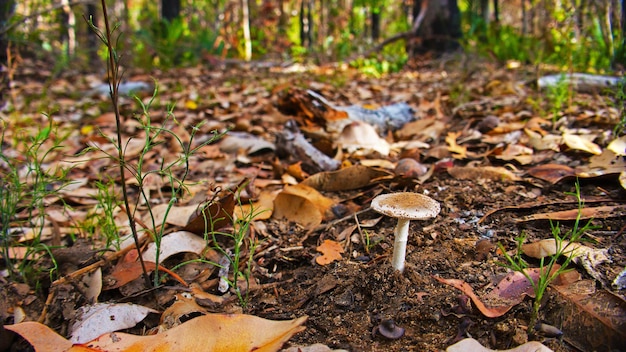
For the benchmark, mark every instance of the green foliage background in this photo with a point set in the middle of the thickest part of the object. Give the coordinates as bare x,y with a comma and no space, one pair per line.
561,33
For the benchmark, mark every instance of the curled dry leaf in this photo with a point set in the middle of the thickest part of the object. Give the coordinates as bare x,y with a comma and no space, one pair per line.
330,250
602,212
102,318
458,151
219,213
129,269
261,208
548,247
618,146
495,173
577,142
236,141
174,243
301,204
184,306
471,345
552,173
41,337
362,138
211,332
352,177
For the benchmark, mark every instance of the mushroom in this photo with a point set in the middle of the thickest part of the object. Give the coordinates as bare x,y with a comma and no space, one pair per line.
405,206
389,329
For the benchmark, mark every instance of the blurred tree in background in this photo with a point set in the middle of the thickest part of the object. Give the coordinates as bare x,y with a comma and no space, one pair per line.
574,34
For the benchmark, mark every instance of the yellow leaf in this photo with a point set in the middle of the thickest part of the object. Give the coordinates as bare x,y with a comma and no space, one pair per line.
191,105
579,143
458,151
87,129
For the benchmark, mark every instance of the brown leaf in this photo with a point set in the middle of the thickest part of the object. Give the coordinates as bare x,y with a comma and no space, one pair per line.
495,173
490,312
602,212
216,215
552,173
352,177
592,319
509,292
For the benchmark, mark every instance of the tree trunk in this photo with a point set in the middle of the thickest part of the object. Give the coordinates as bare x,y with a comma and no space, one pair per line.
170,9
71,28
484,10
93,42
624,23
496,11
306,23
6,11
245,19
375,24
440,29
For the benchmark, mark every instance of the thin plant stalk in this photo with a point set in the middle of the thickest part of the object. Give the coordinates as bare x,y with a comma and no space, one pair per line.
114,81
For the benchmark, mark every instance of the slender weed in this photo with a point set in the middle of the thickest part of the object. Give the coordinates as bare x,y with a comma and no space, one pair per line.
236,257
28,181
173,171
548,266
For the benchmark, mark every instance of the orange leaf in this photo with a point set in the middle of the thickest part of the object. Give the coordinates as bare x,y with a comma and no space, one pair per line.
40,336
210,333
330,250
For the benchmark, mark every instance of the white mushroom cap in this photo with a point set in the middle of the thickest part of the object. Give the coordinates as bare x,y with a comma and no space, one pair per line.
406,205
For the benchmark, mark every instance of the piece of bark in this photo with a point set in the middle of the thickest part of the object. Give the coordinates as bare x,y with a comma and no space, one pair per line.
591,319
292,144
581,82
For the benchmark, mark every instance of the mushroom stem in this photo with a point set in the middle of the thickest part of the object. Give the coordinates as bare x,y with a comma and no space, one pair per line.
401,236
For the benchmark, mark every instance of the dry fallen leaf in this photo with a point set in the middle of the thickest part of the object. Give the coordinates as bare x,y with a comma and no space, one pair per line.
330,250
577,142
510,291
548,247
184,306
362,138
618,146
471,345
216,215
102,318
495,173
41,337
552,173
458,151
210,333
348,178
602,212
301,204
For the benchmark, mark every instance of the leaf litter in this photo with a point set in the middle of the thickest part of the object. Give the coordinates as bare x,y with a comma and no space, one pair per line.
490,160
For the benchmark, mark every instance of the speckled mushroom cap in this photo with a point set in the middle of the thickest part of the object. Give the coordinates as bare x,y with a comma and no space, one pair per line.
406,205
